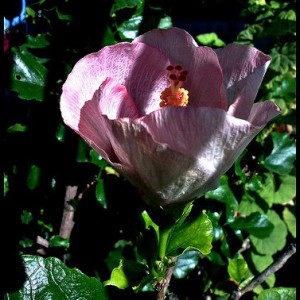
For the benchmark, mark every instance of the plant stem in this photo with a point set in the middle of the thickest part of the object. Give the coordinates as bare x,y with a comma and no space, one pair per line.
163,241
164,284
274,267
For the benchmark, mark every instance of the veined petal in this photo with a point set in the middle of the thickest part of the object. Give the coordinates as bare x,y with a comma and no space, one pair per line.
146,164
243,68
114,101
261,113
139,67
205,79
200,131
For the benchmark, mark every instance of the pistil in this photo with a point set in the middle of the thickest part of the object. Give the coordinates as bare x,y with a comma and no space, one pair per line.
175,94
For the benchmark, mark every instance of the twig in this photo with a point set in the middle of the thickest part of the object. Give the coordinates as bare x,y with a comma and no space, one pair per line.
67,222
274,267
164,284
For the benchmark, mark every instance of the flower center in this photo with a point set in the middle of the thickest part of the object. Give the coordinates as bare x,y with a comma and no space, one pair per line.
175,95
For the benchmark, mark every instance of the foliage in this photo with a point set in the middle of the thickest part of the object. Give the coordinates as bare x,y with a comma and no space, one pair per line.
237,230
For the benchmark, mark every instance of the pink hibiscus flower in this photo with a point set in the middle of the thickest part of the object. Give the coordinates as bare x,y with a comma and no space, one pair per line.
170,116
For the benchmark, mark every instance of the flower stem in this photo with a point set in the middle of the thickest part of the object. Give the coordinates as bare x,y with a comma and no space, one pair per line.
163,241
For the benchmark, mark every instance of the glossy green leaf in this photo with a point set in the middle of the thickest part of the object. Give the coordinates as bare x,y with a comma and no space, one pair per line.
60,132
118,277
256,224
129,29
281,160
149,223
58,241
33,177
191,235
186,262
290,220
50,279
210,39
127,274
97,159
279,293
275,241
254,183
100,193
238,269
28,76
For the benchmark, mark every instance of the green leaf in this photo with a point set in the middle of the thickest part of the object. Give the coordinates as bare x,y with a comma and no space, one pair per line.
210,39
28,76
108,37
256,224
100,193
62,16
288,15
58,241
223,194
39,41
279,293
50,279
238,269
129,29
283,60
261,262
127,274
33,177
121,4
281,160
194,234
282,86
26,217
165,23
283,194
97,159
6,184
17,128
118,277
60,132
290,220
149,223
275,241
186,262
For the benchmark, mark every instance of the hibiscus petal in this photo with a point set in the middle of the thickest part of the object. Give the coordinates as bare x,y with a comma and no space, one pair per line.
146,164
200,144
115,102
244,68
139,67
261,113
205,79
197,131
